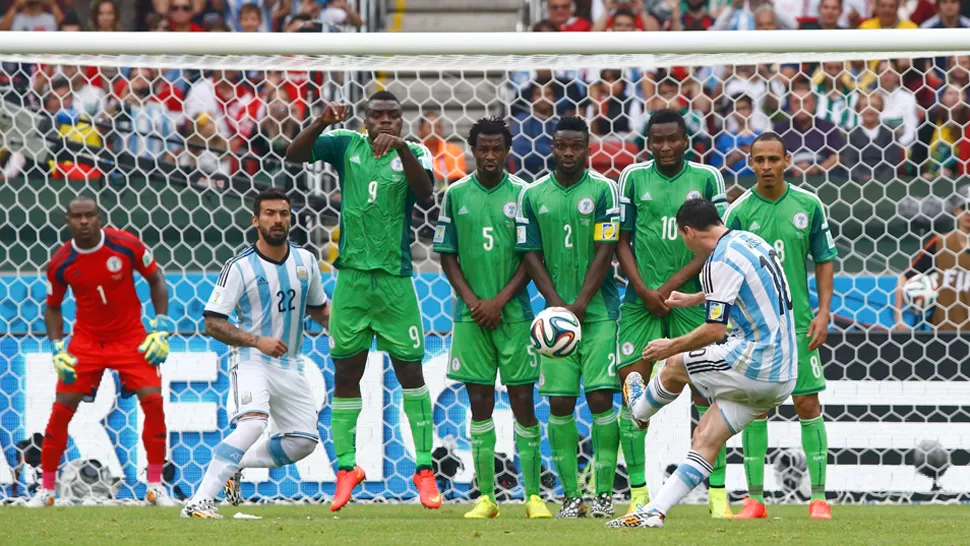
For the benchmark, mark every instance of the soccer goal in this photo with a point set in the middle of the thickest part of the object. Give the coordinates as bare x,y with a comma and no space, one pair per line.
173,134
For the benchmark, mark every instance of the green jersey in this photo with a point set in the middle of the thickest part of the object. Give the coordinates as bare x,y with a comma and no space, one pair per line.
478,224
564,224
375,201
796,227
649,204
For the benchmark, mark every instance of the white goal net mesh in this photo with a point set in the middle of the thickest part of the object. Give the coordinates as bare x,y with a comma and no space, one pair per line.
174,148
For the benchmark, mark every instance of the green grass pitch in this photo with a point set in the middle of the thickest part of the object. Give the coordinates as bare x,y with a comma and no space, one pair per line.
409,524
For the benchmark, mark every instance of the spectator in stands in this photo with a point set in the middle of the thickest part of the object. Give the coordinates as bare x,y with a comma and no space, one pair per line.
872,153
206,159
297,22
733,146
232,106
251,18
936,149
829,15
696,17
625,16
544,25
900,112
157,23
27,15
145,127
759,82
78,136
947,16
670,95
70,23
611,107
837,97
561,13
887,16
85,97
278,127
163,7
532,134
958,73
814,143
449,158
104,16
180,14
741,16
272,11
339,13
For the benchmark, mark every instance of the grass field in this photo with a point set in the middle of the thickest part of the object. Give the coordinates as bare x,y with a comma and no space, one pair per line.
409,524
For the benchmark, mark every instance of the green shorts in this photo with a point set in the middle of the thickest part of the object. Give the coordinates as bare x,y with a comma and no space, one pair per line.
594,362
810,377
477,354
375,303
637,327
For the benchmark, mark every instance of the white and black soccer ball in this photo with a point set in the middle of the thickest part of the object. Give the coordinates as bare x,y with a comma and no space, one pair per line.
556,332
920,292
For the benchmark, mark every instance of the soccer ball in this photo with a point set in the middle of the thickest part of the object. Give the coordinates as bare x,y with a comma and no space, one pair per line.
920,292
556,332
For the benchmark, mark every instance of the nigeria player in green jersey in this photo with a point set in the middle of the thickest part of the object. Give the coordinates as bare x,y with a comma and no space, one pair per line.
381,176
657,262
792,220
568,228
476,239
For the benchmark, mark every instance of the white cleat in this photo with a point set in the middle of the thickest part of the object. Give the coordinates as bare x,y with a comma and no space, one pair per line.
205,509
647,519
42,499
156,495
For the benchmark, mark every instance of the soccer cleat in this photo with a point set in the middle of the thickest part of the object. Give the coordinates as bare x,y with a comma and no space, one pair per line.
572,508
819,509
347,480
717,503
602,506
232,490
535,508
157,496
639,498
752,510
42,499
634,389
427,489
647,518
483,509
205,509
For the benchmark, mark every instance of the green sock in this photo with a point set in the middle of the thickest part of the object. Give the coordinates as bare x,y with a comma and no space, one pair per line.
343,430
417,406
564,441
483,454
606,442
716,478
754,440
815,442
528,441
634,444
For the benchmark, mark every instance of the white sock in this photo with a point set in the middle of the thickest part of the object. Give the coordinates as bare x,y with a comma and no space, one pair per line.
688,475
277,451
226,457
654,398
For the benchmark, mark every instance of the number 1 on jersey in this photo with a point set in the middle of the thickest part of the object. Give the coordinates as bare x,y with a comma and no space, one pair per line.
104,299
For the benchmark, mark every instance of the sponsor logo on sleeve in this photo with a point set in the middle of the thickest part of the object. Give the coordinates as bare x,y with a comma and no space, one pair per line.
439,234
147,258
520,236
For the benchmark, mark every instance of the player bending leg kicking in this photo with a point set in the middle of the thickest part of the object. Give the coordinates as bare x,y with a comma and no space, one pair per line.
381,177
98,264
271,286
745,376
476,239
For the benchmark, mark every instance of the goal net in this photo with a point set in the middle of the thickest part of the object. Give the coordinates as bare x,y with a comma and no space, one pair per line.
174,135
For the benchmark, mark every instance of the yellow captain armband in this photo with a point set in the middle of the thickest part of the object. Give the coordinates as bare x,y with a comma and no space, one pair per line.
607,232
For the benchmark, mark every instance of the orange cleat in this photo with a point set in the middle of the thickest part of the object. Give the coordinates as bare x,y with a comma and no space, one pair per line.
752,510
819,509
427,489
347,480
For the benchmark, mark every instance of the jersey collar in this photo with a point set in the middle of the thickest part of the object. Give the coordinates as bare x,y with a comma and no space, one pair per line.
552,176
505,176
672,178
769,201
95,248
271,260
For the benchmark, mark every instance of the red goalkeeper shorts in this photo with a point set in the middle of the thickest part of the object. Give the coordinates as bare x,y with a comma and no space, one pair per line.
94,357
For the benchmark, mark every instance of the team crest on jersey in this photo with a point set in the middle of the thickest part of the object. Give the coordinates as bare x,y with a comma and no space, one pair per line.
246,398
455,364
508,209
114,264
693,194
146,258
586,205
627,348
800,220
301,273
397,164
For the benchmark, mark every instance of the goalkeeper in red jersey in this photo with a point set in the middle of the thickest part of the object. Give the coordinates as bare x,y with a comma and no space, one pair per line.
98,264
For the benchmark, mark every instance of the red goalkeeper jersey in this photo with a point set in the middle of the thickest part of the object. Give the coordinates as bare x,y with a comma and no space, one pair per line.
103,282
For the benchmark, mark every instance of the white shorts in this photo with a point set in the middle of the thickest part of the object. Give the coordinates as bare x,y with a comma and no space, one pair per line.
740,398
282,395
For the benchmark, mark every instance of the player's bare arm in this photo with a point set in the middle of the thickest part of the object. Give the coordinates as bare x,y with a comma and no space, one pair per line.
452,269
689,271
158,291
221,329
704,335
653,300
300,150
320,315
536,269
680,299
818,329
595,275
54,322
418,180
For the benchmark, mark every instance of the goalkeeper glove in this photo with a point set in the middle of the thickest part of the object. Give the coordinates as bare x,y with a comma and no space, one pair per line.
155,346
64,363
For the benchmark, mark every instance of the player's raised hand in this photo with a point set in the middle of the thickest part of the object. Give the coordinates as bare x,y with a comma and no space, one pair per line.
270,346
654,302
334,113
818,330
385,142
657,349
488,313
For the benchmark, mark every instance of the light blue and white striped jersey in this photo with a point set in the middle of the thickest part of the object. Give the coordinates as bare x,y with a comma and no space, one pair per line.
232,13
743,281
270,299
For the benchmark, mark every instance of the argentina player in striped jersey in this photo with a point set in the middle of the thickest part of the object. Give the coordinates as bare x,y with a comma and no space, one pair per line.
743,376
271,286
